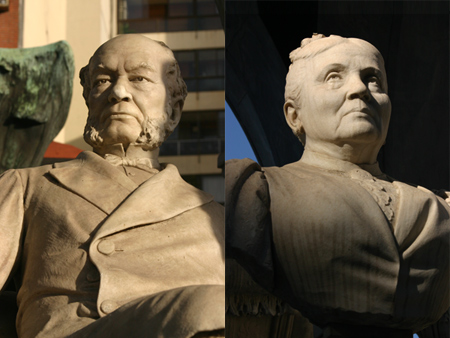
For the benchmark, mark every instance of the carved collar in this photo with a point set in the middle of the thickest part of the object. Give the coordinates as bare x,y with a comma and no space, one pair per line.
117,156
329,163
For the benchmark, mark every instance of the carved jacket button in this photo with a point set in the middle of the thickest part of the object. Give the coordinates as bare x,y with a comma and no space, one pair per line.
87,311
106,247
108,306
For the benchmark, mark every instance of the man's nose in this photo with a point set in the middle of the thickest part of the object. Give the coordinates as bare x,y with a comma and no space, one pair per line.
357,88
119,92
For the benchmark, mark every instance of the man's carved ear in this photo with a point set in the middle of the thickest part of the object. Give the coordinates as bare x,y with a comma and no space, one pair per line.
175,117
292,115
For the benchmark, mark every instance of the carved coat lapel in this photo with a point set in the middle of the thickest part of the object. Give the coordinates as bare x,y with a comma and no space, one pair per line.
163,196
91,177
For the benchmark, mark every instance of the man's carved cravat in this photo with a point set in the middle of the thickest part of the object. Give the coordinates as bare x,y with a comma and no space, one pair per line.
142,163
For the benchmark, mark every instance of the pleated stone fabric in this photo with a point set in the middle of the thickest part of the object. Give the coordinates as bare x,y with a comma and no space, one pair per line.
333,251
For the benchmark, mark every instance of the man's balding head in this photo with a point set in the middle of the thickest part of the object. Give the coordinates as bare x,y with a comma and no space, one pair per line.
134,91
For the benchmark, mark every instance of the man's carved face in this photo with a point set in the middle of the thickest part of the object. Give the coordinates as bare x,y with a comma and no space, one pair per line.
129,90
344,96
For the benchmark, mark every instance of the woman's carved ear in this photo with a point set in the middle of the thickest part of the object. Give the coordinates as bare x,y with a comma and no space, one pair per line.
292,115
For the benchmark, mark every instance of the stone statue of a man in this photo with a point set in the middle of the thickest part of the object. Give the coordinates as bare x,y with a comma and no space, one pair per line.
113,243
355,251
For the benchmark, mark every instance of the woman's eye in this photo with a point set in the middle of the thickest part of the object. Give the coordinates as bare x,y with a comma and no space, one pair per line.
333,76
374,79
375,82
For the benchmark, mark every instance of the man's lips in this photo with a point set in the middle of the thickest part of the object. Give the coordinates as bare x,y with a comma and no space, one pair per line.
120,115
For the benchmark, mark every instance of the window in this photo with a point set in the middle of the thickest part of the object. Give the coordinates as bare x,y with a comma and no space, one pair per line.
197,133
148,16
202,70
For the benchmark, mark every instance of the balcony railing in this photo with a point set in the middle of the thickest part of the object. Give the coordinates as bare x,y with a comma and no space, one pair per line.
192,147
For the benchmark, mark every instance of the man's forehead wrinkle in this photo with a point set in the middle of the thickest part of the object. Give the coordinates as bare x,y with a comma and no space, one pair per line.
96,67
141,65
100,67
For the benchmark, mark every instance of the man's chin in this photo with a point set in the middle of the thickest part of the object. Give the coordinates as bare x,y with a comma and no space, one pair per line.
120,135
102,139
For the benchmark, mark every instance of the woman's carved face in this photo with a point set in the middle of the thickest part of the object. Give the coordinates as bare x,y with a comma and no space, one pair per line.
344,96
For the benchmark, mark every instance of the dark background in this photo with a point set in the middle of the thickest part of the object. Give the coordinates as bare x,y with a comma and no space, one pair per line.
412,36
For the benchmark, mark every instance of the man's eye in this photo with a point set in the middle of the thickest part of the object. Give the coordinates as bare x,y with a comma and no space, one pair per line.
138,79
100,82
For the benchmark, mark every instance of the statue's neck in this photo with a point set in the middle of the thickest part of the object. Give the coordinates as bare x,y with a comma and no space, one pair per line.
134,150
327,162
357,153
